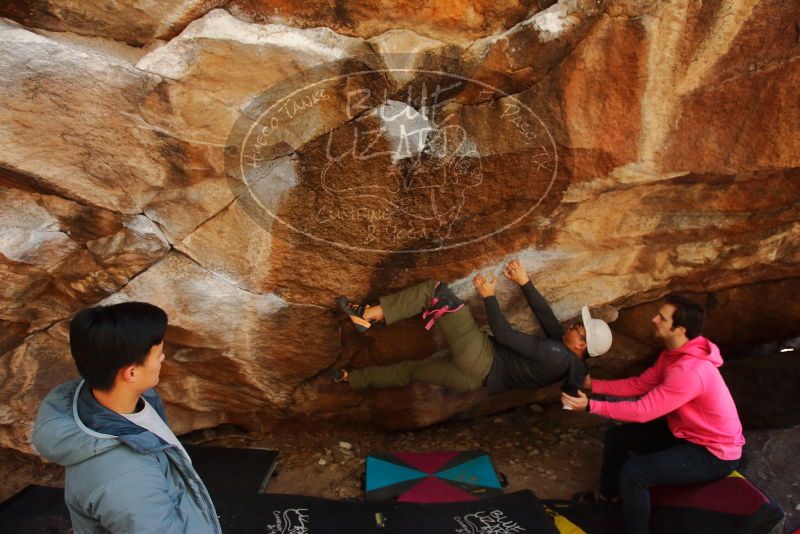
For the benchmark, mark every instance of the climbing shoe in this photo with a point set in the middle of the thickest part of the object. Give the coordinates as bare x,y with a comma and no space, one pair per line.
356,313
340,375
443,301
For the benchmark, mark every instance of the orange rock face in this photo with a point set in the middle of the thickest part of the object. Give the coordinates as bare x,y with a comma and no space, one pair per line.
139,22
454,20
247,165
133,22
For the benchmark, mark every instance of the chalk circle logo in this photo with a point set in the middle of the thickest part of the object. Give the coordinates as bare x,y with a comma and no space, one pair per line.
372,156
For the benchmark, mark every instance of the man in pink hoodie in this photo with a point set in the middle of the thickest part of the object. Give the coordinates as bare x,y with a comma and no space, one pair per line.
683,427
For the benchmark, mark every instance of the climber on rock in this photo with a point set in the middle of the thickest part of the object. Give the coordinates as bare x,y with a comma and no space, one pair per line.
683,428
502,360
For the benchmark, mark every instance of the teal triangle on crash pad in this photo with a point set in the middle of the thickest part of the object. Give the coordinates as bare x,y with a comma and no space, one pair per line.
382,474
478,472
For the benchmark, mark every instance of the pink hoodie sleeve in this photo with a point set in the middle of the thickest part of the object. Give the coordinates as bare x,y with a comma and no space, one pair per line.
630,387
680,385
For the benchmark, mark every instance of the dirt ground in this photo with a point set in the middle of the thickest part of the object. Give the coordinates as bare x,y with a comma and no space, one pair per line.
553,452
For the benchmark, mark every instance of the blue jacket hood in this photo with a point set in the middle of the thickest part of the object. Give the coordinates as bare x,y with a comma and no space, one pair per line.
72,426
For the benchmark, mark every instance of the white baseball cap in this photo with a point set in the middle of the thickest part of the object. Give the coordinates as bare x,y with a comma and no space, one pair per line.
598,334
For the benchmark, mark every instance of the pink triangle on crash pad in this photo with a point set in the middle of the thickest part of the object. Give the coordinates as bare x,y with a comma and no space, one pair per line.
435,490
427,462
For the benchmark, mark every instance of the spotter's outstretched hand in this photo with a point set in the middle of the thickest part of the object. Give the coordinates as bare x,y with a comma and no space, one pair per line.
577,404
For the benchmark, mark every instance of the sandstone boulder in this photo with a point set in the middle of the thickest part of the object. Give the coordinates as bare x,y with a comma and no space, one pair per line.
453,21
531,48
58,256
248,170
29,372
257,346
134,22
99,151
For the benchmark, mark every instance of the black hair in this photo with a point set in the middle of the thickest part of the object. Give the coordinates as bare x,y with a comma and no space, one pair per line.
104,339
688,314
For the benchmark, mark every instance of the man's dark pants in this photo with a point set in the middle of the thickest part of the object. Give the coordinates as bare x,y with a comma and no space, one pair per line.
660,459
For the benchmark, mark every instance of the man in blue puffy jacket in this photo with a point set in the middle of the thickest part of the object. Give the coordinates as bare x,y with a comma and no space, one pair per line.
126,472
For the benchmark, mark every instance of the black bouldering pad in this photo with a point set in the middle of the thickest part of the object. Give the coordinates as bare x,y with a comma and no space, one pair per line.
40,509
233,469
506,514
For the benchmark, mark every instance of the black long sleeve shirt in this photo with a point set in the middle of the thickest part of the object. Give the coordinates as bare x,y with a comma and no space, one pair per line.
525,361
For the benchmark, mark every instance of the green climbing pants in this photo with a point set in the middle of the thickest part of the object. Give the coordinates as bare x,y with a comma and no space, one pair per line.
466,366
